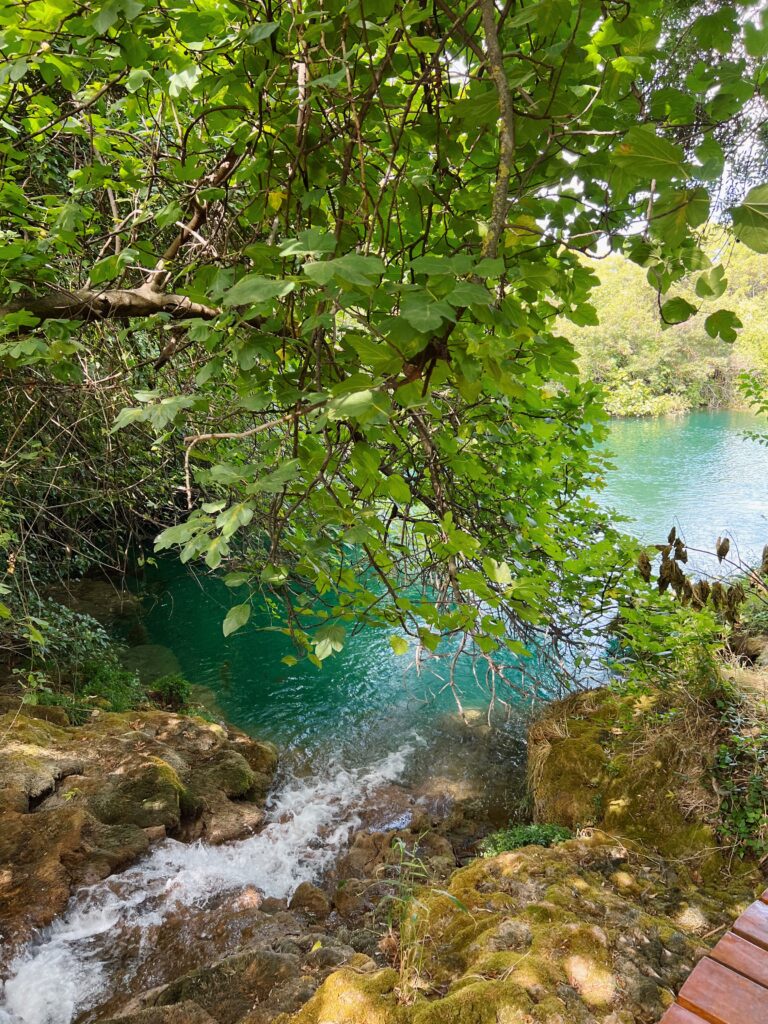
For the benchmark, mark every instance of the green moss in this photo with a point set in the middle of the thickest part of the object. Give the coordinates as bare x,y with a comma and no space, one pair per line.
513,838
565,793
230,773
347,997
482,1002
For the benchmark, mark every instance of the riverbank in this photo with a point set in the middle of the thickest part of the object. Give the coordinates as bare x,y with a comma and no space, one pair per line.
341,897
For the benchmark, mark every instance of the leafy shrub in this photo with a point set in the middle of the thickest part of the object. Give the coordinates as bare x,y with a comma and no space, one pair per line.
523,835
172,691
741,768
109,685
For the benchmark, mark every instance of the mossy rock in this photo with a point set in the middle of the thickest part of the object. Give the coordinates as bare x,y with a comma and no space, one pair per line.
568,792
150,794
478,1002
630,779
261,755
347,997
229,773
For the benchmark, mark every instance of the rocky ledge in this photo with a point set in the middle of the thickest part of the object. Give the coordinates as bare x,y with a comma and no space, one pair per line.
78,803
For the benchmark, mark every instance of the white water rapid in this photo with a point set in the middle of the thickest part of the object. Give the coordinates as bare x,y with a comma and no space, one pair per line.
111,931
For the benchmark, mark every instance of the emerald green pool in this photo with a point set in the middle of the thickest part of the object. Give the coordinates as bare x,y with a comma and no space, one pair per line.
697,472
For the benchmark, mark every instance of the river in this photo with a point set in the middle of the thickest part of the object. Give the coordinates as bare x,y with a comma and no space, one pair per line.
698,473
365,721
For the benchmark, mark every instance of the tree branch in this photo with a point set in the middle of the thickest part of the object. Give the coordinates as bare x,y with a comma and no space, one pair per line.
116,304
507,131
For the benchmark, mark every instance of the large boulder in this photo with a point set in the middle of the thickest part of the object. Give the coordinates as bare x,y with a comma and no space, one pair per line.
150,662
101,599
649,785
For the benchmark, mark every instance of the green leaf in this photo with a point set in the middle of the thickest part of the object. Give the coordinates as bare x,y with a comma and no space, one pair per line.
677,311
644,155
253,289
398,489
353,405
423,316
723,324
711,284
263,31
750,220
399,645
236,618
329,640
350,269
499,572
756,40
183,80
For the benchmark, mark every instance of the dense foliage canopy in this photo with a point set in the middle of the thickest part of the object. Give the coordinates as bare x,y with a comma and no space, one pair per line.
334,248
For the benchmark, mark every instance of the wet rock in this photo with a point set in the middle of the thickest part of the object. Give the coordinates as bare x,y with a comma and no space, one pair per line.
310,900
375,854
259,982
150,661
101,599
43,855
227,771
351,898
149,795
182,1013
79,803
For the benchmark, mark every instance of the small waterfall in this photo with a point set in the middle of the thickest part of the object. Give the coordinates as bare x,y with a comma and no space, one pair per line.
109,932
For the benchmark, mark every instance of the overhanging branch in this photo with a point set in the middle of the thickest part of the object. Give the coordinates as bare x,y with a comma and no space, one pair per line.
91,304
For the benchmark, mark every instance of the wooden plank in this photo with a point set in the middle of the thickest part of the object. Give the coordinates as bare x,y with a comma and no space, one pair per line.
679,1015
721,996
764,897
753,924
743,957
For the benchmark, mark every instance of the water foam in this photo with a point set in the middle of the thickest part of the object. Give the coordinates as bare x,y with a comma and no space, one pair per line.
67,971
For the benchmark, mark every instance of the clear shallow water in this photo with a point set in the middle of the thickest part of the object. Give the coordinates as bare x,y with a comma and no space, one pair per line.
360,698
697,473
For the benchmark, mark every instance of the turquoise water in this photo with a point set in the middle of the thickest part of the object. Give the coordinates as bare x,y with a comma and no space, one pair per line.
696,472
361,697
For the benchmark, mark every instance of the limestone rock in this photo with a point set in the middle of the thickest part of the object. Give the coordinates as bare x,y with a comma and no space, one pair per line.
151,661
310,900
101,599
78,803
182,1013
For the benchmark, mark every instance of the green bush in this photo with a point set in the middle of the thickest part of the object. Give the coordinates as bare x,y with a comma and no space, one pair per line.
523,835
109,685
172,691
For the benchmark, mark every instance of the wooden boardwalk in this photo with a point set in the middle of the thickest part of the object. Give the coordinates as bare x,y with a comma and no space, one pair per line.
730,985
